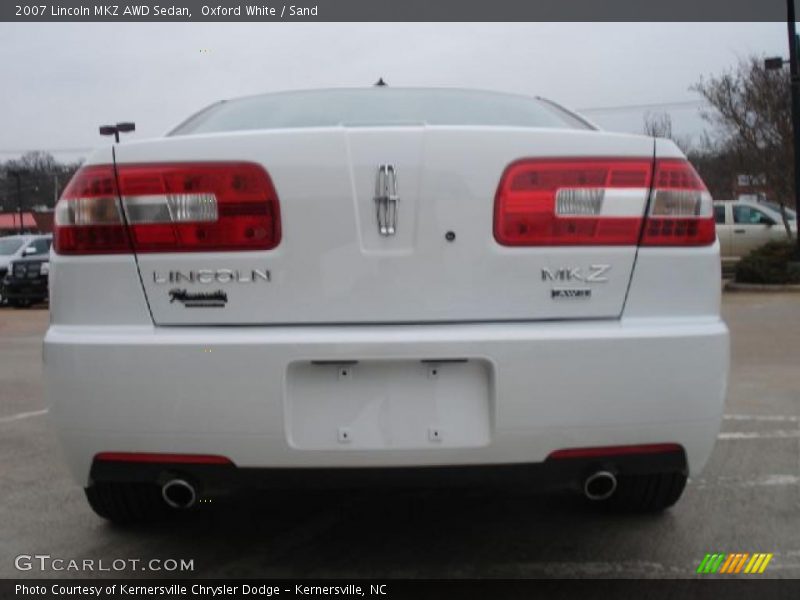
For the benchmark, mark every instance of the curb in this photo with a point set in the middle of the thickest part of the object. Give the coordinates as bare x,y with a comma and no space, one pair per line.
732,286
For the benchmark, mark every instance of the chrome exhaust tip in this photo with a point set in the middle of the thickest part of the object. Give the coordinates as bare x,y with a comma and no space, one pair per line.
179,493
600,485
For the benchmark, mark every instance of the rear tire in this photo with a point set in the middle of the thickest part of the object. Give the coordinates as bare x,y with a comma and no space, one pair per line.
652,492
127,503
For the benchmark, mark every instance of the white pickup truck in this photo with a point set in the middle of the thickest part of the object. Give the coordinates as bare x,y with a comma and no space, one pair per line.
744,225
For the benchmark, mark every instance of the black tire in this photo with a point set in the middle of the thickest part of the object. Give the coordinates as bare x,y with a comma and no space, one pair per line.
652,492
127,503
20,303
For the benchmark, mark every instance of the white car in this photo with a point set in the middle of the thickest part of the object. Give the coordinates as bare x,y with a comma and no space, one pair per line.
744,225
385,286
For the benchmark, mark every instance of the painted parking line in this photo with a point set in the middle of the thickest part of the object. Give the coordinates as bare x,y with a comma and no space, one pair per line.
766,418
759,435
770,480
24,415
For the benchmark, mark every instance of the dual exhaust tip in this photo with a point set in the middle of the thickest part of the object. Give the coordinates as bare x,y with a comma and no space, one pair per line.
179,493
600,485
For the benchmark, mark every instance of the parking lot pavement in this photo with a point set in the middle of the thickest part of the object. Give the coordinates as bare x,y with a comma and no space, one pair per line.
747,500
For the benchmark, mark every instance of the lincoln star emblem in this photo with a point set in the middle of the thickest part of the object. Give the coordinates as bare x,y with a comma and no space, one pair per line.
386,200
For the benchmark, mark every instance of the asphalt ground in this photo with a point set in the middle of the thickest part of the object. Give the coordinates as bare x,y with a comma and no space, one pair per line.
746,500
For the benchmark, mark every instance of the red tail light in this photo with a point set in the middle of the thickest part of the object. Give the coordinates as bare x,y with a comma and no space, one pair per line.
199,207
183,207
88,217
601,202
681,209
546,202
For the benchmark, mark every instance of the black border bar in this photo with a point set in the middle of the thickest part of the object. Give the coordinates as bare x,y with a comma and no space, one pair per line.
461,589
393,10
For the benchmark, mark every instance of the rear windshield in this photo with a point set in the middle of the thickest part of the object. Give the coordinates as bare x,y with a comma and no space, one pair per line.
378,107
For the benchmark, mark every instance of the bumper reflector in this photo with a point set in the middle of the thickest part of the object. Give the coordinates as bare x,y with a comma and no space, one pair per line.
147,457
606,451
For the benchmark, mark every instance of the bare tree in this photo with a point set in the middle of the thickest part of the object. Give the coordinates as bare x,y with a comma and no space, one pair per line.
716,164
659,125
43,178
36,161
751,108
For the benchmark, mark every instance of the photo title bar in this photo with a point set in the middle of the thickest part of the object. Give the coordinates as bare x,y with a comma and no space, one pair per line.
65,11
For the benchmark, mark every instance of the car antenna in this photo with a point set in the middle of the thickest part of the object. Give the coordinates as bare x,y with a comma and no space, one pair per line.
381,83
115,130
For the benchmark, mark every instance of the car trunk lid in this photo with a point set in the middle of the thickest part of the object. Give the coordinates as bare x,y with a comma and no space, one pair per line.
337,261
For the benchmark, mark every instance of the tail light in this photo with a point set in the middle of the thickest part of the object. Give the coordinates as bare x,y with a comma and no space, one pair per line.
681,209
88,218
572,202
182,207
601,202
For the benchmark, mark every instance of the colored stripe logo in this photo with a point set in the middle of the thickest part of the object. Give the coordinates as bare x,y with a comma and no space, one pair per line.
742,562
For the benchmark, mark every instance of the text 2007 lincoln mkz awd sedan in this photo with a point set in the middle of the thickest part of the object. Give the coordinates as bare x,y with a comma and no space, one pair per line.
381,286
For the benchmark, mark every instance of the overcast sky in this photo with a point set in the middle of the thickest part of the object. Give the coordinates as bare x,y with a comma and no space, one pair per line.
60,81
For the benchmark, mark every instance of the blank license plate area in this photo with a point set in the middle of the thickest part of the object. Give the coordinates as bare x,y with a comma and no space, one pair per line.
388,405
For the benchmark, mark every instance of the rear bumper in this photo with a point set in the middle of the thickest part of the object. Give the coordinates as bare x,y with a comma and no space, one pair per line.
553,473
229,391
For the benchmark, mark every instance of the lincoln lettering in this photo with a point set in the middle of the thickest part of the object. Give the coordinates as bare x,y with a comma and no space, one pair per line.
207,276
69,11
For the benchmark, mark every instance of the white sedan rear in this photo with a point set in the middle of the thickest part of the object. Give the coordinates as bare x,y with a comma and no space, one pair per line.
384,286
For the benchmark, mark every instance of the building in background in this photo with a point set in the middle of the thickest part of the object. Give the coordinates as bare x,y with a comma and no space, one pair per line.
751,187
32,222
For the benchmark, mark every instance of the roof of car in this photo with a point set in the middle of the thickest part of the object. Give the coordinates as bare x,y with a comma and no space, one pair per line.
26,236
740,201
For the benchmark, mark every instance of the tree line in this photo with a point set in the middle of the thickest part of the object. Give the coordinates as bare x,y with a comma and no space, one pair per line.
750,119
41,180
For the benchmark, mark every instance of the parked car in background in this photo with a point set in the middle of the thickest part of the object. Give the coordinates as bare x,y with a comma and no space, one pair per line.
791,214
14,247
26,281
744,225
